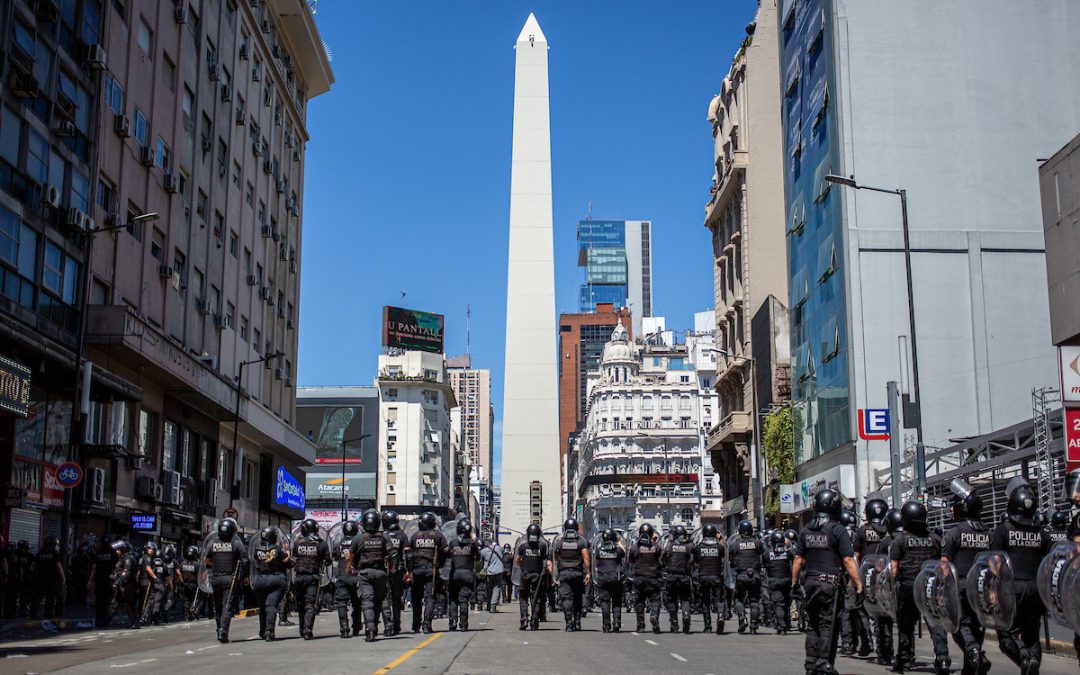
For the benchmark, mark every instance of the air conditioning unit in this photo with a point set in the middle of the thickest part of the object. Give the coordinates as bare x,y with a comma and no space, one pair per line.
208,495
277,119
95,486
165,271
274,235
134,462
52,196
171,488
290,203
145,487
269,298
121,126
222,321
243,52
63,128
254,74
180,14
292,267
296,155
267,97
251,280
170,183
202,305
266,231
256,149
240,117
288,140
286,60
255,3
89,225
226,93
146,155
289,324
76,219
95,57
283,253
280,312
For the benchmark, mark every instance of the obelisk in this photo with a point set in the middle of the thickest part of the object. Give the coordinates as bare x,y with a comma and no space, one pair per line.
531,482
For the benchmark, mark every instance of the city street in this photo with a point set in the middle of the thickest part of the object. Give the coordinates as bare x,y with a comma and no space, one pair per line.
494,646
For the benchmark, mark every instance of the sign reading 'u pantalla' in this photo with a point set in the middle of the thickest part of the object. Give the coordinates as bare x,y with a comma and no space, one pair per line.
412,330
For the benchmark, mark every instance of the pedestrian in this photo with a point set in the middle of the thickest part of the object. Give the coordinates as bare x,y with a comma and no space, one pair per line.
744,554
310,554
270,559
645,563
491,559
777,564
907,553
536,572
370,560
573,568
824,549
188,577
1026,543
967,538
464,554
428,548
677,560
709,561
395,592
508,582
346,589
609,566
226,560
98,584
49,579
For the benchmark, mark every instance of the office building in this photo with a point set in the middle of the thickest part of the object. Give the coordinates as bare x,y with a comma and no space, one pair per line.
616,257
472,389
875,89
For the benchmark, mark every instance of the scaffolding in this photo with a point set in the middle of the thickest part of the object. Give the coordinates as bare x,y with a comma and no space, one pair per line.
1041,401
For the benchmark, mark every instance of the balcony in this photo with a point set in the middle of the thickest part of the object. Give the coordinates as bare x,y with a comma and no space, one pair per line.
736,426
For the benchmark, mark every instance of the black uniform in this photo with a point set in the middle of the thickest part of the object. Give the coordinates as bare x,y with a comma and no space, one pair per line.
227,560
777,562
395,581
678,561
309,553
346,590
910,550
508,582
428,548
608,579
170,589
645,562
531,595
152,588
49,583
20,581
884,625
961,544
569,561
710,569
865,542
269,584
464,554
104,560
123,580
745,556
370,558
823,545
1026,546
189,588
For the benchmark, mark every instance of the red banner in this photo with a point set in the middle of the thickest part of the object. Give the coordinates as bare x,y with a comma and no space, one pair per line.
52,492
1072,437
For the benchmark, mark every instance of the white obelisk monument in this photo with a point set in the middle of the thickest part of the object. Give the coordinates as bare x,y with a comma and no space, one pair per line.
531,475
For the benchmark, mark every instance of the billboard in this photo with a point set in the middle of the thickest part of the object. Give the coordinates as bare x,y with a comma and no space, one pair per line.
329,485
332,426
412,330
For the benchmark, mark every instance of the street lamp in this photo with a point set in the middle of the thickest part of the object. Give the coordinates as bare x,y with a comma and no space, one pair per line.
344,491
914,410
236,415
81,389
756,468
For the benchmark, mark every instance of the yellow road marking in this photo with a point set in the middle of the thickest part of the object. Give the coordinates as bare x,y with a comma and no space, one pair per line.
406,656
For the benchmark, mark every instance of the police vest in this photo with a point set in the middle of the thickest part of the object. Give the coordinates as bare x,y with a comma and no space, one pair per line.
609,562
870,537
820,547
568,556
369,551
307,558
532,559
646,560
745,553
1026,547
425,547
679,558
778,563
189,571
224,555
965,541
463,555
269,559
103,564
912,550
711,558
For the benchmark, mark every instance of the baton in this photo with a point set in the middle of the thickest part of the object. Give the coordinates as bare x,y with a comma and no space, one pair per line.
227,605
146,598
194,600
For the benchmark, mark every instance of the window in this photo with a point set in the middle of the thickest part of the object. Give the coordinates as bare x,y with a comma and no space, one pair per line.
139,127
168,447
145,438
236,174
230,312
182,183
114,95
157,246
168,72
145,37
256,340
37,160
53,277
249,195
243,328
80,191
223,467
106,196
180,267
233,243
187,105
9,237
163,156
247,260
200,204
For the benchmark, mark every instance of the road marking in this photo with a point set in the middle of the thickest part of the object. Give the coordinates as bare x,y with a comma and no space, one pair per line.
634,632
407,655
678,658
202,649
654,644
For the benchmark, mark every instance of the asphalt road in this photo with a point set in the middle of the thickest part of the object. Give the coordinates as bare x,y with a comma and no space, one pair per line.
494,646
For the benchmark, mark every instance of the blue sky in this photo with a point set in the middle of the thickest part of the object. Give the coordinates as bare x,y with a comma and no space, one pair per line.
408,168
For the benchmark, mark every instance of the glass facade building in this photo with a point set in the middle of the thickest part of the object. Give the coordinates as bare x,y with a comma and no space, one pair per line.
616,257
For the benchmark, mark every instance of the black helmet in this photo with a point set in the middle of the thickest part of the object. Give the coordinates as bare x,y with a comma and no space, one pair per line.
1059,521
350,528
226,529
169,552
150,547
966,501
894,521
1022,502
390,520
777,538
191,552
875,508
913,514
708,531
645,532
370,521
678,533
570,524
533,533
791,535
121,547
428,521
464,527
610,536
269,533
308,527
827,501
847,518
506,548
746,528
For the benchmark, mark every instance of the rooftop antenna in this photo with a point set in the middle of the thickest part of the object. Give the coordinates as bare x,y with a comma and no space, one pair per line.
468,328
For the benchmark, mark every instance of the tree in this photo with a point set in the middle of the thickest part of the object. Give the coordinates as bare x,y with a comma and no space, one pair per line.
777,438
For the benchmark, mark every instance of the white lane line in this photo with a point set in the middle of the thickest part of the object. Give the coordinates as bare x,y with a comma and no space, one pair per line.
677,657
634,632
203,649
654,644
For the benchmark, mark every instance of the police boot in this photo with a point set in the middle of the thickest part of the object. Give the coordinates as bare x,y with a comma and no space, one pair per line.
270,634
674,623
524,625
655,625
222,637
867,648
640,624
1029,666
616,624
686,624
719,627
369,635
942,666
847,648
708,625
463,625
426,628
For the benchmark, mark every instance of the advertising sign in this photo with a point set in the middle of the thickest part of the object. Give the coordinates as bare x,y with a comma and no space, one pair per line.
144,522
412,330
840,478
1072,438
14,386
874,424
1069,365
329,517
336,432
288,491
331,485
52,491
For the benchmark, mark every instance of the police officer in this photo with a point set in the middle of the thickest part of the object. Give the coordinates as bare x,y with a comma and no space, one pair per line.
536,571
710,555
104,560
573,568
1027,543
123,580
1072,531
427,549
777,563
824,549
270,559
676,559
894,525
464,555
346,595
188,573
610,559
967,538
645,562
309,554
21,579
396,585
152,583
168,554
1059,526
907,553
49,578
370,559
225,558
855,622
744,554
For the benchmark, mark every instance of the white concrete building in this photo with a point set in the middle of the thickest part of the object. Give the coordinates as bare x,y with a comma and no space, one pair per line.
700,349
416,461
640,452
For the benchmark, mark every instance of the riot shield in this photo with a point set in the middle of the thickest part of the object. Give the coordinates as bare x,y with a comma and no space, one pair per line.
937,595
989,589
1051,577
879,586
515,573
1070,594
333,540
327,574
256,542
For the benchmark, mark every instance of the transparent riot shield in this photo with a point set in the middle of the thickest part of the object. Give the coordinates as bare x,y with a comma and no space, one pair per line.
937,595
1069,585
256,551
596,546
989,589
1051,576
323,535
879,586
333,540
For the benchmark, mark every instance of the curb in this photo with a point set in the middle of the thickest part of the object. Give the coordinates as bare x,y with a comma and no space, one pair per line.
1063,648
